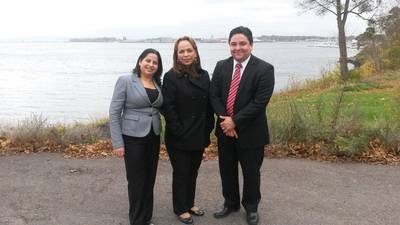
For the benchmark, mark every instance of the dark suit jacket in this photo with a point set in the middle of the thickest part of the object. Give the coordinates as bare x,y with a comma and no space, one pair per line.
255,90
187,111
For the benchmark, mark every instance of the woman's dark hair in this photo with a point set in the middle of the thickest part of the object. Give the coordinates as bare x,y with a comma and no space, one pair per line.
157,74
241,30
195,68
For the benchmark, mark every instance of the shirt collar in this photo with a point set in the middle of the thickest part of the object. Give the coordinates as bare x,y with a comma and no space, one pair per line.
244,63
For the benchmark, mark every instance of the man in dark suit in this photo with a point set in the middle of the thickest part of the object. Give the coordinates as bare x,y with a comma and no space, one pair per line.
240,90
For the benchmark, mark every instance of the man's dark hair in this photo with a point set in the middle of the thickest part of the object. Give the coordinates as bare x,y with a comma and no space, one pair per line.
242,30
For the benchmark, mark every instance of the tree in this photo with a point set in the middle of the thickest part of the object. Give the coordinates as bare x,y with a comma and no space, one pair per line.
370,42
390,24
381,42
342,9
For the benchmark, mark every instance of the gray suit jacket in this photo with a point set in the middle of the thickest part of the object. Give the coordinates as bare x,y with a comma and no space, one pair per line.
131,112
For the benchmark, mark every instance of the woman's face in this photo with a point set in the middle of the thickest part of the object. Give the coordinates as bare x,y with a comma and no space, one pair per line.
149,65
186,53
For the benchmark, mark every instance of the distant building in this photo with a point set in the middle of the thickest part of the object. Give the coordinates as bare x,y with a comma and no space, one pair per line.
100,39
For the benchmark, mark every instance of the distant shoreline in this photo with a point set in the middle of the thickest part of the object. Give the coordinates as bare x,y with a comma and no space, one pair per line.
263,38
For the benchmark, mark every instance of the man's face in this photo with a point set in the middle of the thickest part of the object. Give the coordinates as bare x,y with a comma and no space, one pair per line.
240,47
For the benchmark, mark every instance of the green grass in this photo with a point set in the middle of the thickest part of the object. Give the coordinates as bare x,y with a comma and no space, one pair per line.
370,106
347,115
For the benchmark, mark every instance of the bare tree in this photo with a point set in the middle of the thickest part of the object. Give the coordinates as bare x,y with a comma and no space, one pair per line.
341,9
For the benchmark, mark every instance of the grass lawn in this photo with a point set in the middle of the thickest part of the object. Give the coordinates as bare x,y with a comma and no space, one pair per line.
371,102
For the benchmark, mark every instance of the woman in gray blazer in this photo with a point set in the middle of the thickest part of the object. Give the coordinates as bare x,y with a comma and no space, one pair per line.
135,131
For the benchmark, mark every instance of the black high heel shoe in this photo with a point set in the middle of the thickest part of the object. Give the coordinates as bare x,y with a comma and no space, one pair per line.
188,220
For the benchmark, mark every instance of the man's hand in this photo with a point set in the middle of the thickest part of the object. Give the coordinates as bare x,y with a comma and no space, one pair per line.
228,126
120,152
231,133
227,123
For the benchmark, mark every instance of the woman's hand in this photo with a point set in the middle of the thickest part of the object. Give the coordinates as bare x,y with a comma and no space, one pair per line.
120,152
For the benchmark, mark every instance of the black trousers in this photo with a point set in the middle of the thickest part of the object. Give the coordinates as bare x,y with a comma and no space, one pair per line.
230,155
141,160
185,165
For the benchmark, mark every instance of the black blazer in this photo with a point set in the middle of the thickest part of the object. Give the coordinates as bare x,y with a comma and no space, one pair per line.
255,90
187,111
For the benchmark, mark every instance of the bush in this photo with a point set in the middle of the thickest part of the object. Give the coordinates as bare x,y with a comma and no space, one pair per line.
355,74
33,131
293,119
36,132
369,68
328,79
392,57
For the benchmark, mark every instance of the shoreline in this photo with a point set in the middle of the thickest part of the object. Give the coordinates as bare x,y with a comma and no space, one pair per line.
306,121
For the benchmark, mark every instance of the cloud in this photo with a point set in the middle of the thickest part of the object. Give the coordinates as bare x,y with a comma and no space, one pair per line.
74,18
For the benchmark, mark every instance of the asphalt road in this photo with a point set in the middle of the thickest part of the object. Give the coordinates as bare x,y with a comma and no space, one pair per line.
46,189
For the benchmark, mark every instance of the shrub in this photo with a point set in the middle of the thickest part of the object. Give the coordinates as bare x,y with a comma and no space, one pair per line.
341,126
36,132
33,131
392,57
369,68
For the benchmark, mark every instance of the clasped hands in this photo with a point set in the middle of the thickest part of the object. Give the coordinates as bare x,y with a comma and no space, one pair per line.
228,126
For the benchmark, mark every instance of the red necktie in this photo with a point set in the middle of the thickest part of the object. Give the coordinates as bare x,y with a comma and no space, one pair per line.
233,90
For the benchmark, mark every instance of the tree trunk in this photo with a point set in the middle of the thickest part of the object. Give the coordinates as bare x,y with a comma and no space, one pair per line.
344,70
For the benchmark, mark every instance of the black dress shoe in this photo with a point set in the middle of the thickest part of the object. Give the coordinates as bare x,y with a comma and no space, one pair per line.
188,220
199,212
252,218
225,212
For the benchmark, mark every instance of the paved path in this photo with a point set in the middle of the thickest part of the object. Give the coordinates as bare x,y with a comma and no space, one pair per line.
46,189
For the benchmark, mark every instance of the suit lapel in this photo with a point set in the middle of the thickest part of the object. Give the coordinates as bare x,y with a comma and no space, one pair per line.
140,88
159,98
228,70
247,74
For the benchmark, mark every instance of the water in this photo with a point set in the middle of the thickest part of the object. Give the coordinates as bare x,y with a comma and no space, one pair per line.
68,82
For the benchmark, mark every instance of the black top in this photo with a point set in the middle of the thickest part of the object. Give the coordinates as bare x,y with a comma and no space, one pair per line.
152,93
188,114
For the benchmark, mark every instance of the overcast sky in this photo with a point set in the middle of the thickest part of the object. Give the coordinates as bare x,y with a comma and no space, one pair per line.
159,18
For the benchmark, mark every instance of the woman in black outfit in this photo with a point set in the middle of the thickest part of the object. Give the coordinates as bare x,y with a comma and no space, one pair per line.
189,121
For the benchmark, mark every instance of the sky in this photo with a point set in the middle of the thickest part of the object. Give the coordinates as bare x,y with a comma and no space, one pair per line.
161,18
